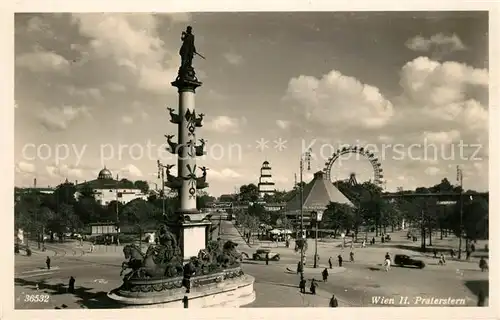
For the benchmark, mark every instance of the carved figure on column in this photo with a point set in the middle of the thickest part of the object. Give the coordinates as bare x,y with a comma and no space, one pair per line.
191,148
191,121
174,117
201,182
199,120
173,181
174,147
200,150
191,177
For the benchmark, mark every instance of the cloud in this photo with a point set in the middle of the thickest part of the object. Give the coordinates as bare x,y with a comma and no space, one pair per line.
64,171
25,167
224,174
127,120
58,119
432,171
353,103
93,93
225,124
438,95
131,170
179,17
214,95
283,124
233,58
130,42
43,61
115,87
442,137
439,43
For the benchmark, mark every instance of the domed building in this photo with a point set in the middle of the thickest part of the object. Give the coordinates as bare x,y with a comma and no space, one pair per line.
107,189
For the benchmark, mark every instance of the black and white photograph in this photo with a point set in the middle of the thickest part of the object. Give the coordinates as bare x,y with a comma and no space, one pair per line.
293,159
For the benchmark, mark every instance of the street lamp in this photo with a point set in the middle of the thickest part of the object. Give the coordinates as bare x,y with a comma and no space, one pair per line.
305,157
317,218
460,179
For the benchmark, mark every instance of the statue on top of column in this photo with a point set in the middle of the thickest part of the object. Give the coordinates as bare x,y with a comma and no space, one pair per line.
187,52
188,49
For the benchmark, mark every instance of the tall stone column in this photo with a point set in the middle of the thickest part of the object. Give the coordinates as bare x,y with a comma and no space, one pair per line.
190,224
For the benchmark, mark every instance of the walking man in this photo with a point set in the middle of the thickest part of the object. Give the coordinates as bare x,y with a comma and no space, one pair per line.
47,262
340,260
267,259
313,286
71,285
330,262
325,275
351,256
302,285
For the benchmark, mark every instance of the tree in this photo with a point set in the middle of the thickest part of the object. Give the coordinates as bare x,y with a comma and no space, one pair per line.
338,216
127,184
64,220
65,193
475,221
142,185
141,214
249,192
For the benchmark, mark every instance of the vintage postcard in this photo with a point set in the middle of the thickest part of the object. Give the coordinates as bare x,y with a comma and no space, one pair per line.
306,159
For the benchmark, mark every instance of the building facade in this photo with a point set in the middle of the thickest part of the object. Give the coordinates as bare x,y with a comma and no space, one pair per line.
266,184
106,189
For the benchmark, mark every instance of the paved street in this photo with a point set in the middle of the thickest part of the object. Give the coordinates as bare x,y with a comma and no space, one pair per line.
354,285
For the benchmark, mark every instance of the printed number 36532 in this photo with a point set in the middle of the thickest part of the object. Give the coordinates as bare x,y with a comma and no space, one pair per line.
36,298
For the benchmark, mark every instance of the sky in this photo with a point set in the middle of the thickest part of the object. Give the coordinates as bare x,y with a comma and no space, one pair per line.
91,91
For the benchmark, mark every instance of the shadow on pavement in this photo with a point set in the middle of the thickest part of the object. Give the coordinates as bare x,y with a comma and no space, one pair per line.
476,286
250,262
98,300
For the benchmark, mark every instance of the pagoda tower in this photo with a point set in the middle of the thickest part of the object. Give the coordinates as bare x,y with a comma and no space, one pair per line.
266,184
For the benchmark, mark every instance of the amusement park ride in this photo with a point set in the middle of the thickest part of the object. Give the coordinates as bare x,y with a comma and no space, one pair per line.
378,177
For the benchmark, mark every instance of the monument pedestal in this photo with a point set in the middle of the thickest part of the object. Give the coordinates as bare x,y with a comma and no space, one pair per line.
227,289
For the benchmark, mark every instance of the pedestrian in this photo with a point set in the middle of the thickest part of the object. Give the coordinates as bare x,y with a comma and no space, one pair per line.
472,247
302,285
387,256
330,262
313,287
267,259
452,253
47,262
481,299
435,253
71,285
382,239
373,240
351,256
352,244
333,302
363,245
483,265
387,264
340,260
325,275
442,260
467,255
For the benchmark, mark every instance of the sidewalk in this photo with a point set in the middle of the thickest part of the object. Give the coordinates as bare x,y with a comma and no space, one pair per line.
231,233
278,295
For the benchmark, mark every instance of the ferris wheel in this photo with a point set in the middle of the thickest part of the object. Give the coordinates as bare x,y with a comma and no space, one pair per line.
367,154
